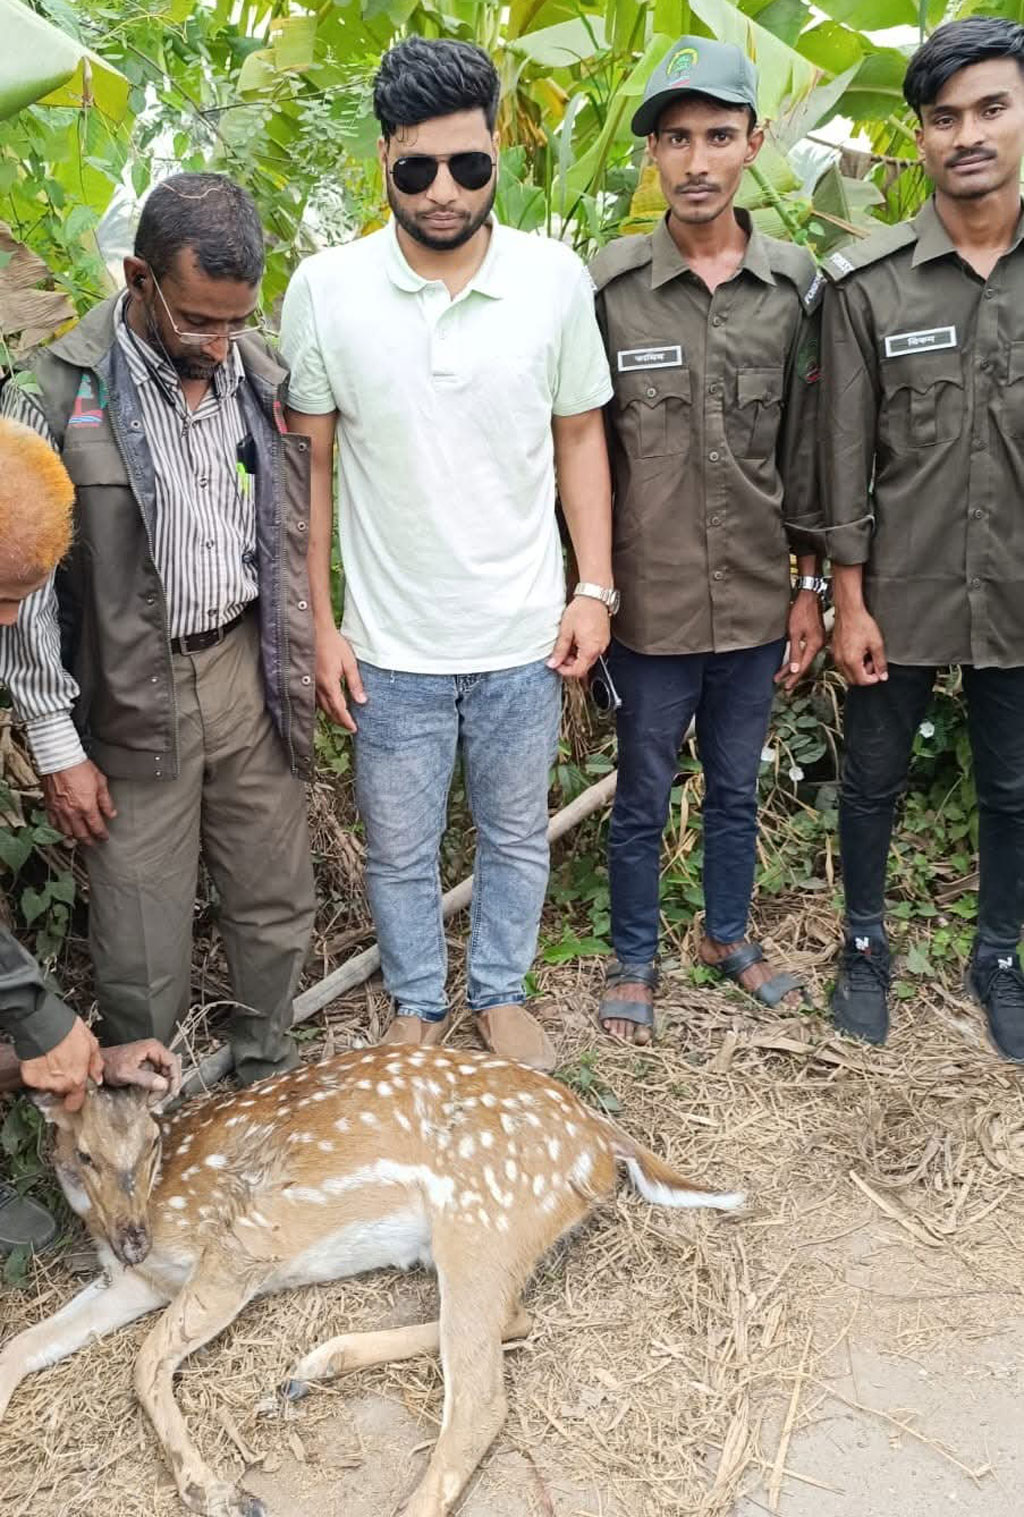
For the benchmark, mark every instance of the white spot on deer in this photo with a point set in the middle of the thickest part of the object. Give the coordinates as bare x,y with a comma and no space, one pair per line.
488,1100
470,1198
494,1064
549,1203
483,1219
450,1076
580,1171
467,1069
433,1087
321,1095
304,1102
367,1058
247,1103
532,1118
394,1067
231,1122
554,1148
216,1161
246,1222
341,1125
325,1146
368,1119
187,1174
486,1139
502,1224
398,1082
510,1169
508,1123
539,1185
383,1088
570,1128
304,1137
363,1085
178,1202
469,1101
304,1193
185,1144
403,1121
467,1147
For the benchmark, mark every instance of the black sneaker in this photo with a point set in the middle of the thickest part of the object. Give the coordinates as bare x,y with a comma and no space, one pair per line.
860,1000
997,983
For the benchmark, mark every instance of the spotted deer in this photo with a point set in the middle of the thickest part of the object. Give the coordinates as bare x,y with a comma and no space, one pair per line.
389,1156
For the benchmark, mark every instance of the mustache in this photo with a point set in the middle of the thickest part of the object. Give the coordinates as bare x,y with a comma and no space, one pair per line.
696,184
965,155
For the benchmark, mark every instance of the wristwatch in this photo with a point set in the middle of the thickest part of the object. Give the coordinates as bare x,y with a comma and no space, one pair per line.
816,582
608,598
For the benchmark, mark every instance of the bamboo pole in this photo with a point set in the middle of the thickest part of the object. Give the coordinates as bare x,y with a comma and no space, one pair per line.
359,968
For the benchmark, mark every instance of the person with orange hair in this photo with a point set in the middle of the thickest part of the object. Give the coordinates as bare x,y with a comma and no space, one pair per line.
53,1049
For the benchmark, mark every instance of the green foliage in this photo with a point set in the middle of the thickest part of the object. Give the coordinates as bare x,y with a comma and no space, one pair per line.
36,876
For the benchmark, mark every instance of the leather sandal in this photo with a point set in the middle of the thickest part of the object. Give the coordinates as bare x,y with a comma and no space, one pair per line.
615,1008
409,1030
773,990
512,1033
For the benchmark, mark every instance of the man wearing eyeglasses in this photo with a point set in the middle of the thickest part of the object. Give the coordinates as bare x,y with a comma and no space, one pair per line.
459,365
165,674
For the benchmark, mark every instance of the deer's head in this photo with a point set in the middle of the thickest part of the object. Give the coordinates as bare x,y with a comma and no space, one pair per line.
107,1158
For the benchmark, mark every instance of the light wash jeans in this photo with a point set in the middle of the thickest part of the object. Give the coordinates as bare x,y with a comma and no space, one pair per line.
410,731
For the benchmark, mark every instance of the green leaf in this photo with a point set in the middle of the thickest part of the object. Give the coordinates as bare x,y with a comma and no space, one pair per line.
39,61
15,847
62,888
563,45
34,903
918,962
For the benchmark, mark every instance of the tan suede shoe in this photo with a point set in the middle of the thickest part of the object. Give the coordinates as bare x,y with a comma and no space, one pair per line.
416,1030
512,1033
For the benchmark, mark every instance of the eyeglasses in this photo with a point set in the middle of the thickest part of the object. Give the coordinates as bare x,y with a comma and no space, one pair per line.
203,339
415,174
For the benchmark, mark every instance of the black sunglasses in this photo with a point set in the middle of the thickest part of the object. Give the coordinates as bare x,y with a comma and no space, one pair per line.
414,175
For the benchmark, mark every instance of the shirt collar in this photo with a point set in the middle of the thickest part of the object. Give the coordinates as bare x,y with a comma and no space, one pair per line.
148,365
933,241
489,279
667,262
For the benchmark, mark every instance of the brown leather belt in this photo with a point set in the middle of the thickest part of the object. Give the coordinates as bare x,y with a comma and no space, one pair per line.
195,642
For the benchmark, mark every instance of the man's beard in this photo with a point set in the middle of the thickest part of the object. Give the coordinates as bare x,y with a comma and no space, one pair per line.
422,234
185,365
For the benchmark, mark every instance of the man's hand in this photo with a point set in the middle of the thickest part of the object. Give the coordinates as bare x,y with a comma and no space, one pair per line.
77,800
585,631
336,668
147,1063
65,1069
806,633
858,649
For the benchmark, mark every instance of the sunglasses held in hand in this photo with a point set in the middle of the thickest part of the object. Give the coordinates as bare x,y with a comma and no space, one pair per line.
416,173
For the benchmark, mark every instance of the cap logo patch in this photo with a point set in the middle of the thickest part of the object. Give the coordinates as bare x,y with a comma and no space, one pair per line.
682,65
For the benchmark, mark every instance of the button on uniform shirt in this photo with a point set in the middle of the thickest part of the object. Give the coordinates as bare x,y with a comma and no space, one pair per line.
448,533
204,546
711,431
923,441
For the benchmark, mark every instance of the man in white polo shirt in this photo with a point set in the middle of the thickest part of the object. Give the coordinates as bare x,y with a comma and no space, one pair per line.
460,366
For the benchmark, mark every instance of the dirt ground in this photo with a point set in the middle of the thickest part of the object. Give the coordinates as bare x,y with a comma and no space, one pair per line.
850,1344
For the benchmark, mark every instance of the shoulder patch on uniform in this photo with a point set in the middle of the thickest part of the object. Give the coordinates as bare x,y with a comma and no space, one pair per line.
795,263
860,255
619,257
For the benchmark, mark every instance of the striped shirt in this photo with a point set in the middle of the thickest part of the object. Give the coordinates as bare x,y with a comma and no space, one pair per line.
204,544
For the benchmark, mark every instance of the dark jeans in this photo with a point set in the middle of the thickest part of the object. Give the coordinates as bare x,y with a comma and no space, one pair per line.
879,732
730,694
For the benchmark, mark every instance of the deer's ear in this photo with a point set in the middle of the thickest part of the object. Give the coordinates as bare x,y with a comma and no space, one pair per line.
52,1108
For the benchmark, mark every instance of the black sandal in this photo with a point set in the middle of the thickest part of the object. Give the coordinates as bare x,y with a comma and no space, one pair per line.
614,1008
773,990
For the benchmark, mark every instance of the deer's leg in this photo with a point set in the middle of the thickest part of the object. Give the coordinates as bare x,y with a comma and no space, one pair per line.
206,1305
476,1296
359,1351
103,1306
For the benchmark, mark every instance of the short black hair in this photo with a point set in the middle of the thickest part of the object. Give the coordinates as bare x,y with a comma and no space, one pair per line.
421,78
209,214
955,46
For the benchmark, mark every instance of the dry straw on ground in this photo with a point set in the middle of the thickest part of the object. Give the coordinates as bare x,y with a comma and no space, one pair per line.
674,1355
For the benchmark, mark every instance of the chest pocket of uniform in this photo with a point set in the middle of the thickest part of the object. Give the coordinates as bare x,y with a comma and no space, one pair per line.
752,425
654,412
923,401
1013,397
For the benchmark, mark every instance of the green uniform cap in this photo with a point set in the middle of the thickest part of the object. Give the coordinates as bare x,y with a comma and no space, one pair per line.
697,63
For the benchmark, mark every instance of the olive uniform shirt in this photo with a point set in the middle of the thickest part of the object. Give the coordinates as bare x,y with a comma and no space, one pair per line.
922,441
711,433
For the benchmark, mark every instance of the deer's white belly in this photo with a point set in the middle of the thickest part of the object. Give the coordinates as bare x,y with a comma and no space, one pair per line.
399,1240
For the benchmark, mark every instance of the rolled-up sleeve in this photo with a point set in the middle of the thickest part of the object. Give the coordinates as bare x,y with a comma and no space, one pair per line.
847,426
35,1019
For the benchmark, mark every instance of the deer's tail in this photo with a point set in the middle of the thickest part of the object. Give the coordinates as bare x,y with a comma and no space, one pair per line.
658,1182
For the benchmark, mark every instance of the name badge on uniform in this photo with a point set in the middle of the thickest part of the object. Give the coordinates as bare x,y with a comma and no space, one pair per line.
649,358
902,343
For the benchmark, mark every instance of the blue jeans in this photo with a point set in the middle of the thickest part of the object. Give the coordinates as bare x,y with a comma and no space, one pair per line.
410,731
730,694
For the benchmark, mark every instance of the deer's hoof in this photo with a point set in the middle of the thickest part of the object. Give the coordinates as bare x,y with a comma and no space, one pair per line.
295,1390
